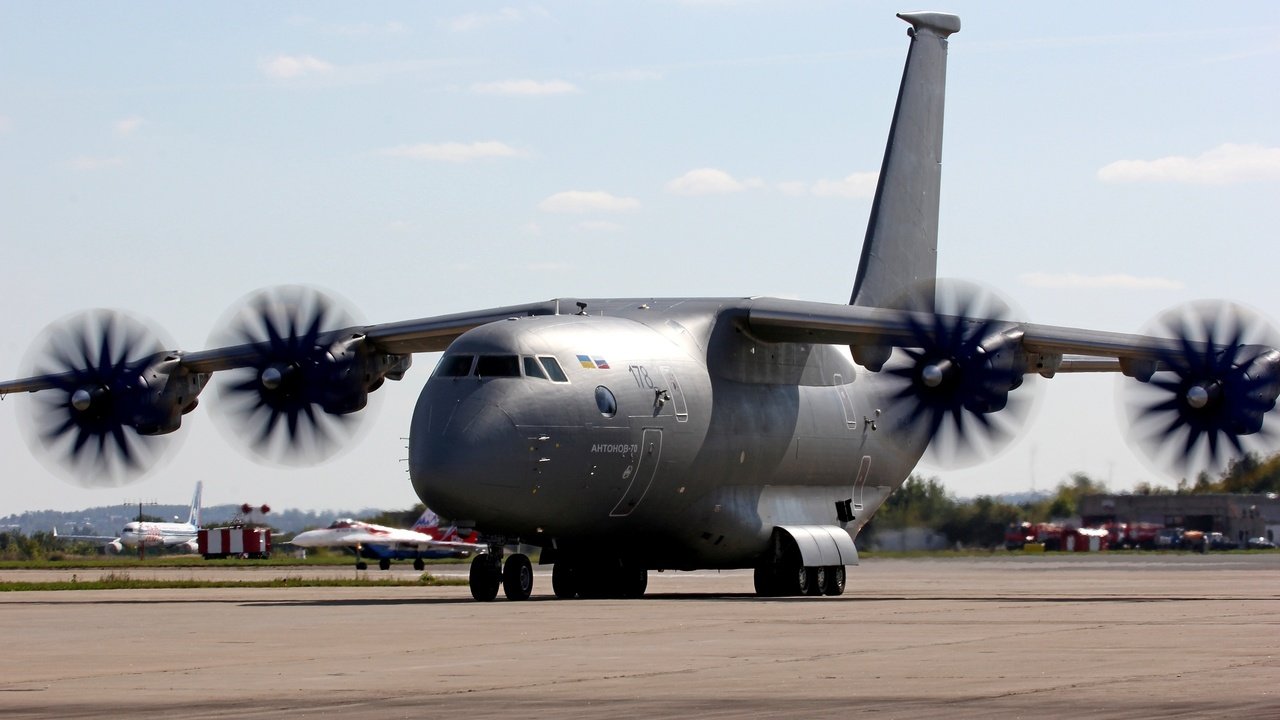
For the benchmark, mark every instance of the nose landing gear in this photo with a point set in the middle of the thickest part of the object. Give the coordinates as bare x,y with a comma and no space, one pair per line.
488,572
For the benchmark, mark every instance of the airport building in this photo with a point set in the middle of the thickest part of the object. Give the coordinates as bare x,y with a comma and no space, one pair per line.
1238,517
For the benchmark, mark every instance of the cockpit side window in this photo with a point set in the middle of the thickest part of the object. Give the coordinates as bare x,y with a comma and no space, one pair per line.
553,369
454,366
533,369
490,366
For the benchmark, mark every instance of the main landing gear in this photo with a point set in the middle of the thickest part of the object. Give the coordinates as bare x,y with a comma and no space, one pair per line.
791,578
586,579
488,572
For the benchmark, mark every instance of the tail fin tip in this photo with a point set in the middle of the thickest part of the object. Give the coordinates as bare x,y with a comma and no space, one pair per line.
942,24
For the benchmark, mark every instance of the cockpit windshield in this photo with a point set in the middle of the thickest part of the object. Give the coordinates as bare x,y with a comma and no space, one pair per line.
498,366
542,367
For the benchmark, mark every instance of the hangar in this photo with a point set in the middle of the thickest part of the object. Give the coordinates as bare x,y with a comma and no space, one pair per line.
1236,516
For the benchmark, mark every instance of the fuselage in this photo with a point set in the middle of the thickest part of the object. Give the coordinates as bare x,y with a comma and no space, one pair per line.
657,427
157,533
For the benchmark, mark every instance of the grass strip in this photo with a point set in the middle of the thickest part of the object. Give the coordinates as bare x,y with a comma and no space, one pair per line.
121,581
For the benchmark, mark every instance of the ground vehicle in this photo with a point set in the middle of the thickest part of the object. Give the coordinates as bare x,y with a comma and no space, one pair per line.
1218,541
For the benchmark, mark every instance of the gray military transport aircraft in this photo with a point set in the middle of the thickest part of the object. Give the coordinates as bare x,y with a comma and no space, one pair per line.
628,435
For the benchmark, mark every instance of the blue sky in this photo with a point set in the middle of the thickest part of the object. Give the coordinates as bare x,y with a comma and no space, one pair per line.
1101,163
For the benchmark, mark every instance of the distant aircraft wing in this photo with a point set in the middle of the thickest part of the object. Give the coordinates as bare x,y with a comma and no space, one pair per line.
390,537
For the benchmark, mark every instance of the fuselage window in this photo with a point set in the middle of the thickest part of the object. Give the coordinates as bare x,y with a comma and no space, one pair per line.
455,366
606,402
533,369
489,366
553,369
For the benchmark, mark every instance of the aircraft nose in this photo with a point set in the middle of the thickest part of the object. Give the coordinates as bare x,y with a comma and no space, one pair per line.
460,456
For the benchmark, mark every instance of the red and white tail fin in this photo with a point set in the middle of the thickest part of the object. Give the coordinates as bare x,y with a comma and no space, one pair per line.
427,521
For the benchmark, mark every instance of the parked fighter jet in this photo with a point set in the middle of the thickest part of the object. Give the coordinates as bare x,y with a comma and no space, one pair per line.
627,435
424,541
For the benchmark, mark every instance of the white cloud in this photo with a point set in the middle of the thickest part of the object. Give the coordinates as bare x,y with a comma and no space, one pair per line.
1117,281
128,125
584,201
88,163
474,21
1223,165
857,185
287,67
710,181
598,226
525,88
454,152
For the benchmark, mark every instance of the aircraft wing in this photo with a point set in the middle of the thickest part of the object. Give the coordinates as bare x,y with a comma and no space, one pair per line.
1049,348
390,537
429,334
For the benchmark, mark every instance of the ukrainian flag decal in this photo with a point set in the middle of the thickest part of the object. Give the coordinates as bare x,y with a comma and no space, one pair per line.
590,363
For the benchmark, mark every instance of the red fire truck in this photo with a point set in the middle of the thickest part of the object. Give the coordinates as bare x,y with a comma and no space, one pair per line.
240,541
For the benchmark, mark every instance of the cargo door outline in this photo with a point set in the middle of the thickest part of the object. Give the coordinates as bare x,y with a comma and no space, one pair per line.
677,395
646,468
860,484
846,405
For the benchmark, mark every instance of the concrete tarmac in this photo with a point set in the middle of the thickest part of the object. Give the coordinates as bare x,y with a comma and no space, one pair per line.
1099,636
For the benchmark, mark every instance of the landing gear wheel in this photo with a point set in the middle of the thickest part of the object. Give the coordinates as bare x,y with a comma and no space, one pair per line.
818,584
362,565
484,578
564,580
766,580
517,578
384,563
419,565
835,580
802,580
632,582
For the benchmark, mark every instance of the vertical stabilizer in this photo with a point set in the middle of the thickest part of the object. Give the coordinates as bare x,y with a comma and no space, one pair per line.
428,520
900,252
194,517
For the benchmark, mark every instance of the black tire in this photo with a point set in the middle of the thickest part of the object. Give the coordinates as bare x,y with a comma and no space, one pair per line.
384,563
802,580
517,578
362,565
766,580
419,565
817,580
484,578
632,582
564,580
835,580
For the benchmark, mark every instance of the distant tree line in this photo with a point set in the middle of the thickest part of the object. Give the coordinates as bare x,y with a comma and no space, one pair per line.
981,522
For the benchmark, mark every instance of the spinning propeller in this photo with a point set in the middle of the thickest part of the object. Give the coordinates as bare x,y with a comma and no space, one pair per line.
99,424
293,402
962,364
1206,403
